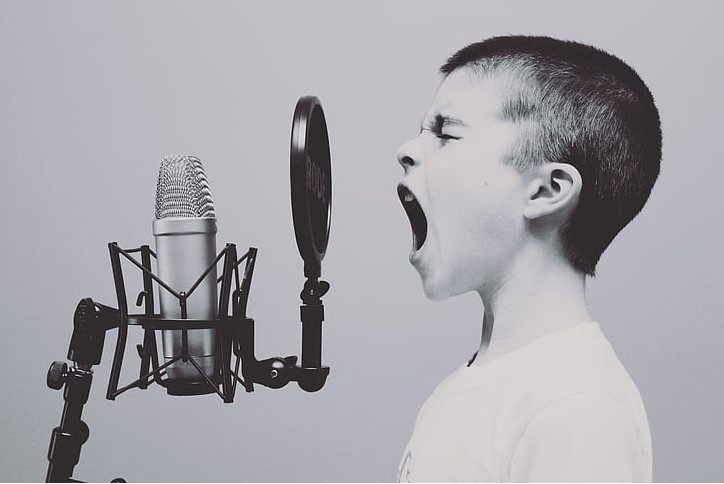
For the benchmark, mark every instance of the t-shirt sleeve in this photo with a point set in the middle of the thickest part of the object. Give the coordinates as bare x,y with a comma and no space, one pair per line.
587,437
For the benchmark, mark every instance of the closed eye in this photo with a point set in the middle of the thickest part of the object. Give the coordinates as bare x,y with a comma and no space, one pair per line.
446,137
437,124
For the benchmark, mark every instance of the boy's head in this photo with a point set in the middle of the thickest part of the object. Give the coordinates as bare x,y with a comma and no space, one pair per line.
539,107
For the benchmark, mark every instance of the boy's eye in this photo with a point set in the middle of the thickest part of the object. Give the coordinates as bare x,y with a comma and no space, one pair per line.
436,127
446,137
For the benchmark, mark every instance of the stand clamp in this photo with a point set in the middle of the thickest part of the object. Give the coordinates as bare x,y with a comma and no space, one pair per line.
312,375
277,372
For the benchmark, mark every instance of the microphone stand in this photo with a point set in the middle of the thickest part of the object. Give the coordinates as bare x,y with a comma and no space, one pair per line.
90,323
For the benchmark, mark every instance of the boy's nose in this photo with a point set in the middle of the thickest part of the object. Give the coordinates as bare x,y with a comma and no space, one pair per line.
406,156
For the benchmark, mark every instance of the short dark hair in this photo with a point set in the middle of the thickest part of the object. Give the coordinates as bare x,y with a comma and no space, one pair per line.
582,106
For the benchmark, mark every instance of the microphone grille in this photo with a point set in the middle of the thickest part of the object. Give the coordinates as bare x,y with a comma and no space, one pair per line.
182,189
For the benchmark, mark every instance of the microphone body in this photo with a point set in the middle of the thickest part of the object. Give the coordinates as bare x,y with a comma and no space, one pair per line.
185,247
185,231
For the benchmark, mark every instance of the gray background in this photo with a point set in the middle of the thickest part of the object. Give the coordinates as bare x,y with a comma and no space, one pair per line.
94,94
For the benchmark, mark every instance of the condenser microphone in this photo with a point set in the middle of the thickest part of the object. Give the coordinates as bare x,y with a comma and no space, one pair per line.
185,231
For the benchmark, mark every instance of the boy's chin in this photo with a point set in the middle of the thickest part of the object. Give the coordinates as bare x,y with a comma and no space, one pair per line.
442,287
435,291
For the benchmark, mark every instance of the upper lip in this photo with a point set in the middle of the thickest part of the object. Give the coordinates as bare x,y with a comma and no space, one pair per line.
415,213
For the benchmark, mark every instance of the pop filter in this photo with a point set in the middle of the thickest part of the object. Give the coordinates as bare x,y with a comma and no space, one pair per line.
311,183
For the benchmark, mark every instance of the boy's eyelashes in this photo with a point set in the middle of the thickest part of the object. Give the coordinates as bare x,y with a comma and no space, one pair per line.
446,137
439,134
437,124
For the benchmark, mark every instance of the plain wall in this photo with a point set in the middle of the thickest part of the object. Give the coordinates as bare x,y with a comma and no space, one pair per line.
94,94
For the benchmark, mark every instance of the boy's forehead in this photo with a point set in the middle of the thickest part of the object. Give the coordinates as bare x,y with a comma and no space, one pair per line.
467,96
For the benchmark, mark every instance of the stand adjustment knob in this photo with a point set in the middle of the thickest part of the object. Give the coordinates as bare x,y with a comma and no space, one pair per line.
56,375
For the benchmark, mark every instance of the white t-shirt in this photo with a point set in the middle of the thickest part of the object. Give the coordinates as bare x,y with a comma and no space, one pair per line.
561,408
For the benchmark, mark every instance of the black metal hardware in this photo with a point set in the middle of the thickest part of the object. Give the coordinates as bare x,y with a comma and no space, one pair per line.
234,338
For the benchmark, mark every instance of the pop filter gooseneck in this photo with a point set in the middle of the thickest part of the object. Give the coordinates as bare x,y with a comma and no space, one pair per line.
311,183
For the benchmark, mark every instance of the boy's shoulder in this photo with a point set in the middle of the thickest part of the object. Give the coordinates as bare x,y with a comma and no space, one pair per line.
575,400
580,358
578,361
519,410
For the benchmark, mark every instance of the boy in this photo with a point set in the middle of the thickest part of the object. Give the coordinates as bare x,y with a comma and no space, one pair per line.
534,154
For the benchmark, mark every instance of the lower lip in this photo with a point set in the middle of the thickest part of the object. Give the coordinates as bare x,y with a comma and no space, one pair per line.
416,255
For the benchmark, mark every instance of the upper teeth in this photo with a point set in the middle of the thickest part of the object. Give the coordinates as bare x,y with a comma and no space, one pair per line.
408,197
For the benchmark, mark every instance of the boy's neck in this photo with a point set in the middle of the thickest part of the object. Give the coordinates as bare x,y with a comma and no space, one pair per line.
545,297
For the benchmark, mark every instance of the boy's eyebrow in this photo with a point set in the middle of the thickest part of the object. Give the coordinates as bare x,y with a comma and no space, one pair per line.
440,121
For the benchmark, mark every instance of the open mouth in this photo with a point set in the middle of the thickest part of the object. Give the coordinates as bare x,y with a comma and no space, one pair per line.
414,212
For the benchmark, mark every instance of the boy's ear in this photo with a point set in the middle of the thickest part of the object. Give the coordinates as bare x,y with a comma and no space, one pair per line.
554,188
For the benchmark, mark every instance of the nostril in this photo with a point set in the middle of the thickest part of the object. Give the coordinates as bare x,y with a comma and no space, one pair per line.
409,153
406,161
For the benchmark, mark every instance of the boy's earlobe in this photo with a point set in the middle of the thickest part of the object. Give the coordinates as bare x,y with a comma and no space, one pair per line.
554,188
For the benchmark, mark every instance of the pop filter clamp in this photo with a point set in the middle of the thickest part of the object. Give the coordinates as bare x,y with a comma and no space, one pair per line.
311,197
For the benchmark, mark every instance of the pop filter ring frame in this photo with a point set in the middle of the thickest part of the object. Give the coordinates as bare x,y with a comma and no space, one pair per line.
311,183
